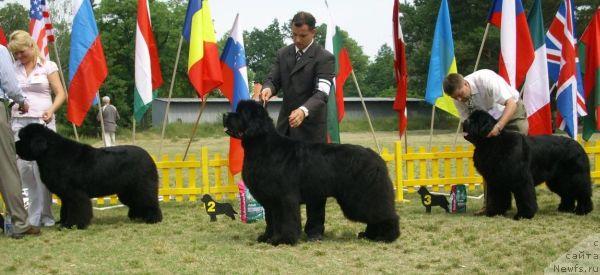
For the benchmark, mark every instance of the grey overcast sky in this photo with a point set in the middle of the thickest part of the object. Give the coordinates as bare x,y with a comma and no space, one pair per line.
369,22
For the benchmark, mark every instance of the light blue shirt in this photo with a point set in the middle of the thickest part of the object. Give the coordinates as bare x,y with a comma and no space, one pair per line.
9,87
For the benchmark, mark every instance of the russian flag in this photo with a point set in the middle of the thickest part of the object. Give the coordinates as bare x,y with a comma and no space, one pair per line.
87,65
204,70
516,47
235,86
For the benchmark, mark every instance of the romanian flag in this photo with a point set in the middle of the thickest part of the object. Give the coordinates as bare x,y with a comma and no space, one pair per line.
441,63
235,86
589,53
87,65
334,43
204,67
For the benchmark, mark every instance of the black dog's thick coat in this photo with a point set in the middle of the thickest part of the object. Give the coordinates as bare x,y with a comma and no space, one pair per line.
282,173
515,163
214,208
76,172
429,200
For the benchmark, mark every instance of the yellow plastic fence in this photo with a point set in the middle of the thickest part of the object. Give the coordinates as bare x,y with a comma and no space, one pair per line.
440,168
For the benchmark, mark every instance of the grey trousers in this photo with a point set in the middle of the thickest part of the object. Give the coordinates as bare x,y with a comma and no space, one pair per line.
10,182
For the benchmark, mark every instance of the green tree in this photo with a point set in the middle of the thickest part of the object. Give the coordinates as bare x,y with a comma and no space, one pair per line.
14,17
261,49
380,74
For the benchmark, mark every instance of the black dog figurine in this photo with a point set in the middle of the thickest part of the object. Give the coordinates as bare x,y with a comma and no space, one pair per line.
214,208
430,200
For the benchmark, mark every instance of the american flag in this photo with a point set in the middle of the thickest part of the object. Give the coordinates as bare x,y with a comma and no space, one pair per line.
563,68
40,26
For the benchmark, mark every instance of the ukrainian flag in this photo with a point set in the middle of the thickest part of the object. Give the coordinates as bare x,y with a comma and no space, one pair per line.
441,63
204,66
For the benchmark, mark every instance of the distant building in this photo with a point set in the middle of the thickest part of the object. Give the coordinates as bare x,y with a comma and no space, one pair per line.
185,110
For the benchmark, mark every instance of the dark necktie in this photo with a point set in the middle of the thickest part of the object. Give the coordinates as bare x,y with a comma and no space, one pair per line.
298,55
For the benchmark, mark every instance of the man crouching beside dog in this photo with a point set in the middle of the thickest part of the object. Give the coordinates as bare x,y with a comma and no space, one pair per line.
487,91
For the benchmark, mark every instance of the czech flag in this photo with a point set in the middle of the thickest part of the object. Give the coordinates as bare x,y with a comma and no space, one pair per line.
87,65
235,86
204,67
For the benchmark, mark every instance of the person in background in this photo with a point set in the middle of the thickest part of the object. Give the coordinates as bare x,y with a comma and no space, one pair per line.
110,115
39,80
10,183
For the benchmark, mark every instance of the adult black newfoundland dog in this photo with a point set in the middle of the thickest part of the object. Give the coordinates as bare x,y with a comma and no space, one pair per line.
76,172
515,163
282,173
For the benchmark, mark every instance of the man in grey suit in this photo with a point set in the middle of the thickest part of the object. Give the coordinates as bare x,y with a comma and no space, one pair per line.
110,115
304,71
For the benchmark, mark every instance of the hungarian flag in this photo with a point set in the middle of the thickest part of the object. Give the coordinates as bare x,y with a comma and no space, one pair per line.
343,67
204,67
563,68
87,65
536,92
2,37
400,71
148,76
516,48
589,53
235,86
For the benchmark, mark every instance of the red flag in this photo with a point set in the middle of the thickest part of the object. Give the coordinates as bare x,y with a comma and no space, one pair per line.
590,45
2,37
400,71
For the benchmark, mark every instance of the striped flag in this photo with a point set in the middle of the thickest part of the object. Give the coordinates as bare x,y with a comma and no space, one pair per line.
235,86
2,37
334,43
40,26
441,62
87,65
400,71
563,68
590,49
516,48
204,67
536,92
148,76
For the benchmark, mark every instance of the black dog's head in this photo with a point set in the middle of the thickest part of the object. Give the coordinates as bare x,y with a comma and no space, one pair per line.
249,121
478,126
206,198
423,191
34,141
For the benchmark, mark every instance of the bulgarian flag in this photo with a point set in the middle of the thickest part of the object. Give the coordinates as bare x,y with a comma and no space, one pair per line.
589,53
148,76
343,67
536,91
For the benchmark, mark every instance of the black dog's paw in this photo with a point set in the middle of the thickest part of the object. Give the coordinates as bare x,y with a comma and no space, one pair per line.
314,237
519,216
263,238
277,240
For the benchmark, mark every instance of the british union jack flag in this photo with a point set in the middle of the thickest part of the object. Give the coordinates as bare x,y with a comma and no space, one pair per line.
563,68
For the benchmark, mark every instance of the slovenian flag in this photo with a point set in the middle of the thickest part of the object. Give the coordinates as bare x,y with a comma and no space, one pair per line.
148,76
87,65
235,86
441,62
516,48
204,67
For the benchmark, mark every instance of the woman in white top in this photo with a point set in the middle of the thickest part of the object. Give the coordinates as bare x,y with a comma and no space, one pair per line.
39,79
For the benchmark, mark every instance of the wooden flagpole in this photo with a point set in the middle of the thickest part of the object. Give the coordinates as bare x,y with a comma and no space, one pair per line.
164,124
64,83
362,100
202,106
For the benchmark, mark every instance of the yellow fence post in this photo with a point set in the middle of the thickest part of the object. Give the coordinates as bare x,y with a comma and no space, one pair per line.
399,173
205,182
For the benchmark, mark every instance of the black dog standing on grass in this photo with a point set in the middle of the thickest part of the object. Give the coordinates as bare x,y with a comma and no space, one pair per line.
214,208
429,200
282,173
76,172
512,163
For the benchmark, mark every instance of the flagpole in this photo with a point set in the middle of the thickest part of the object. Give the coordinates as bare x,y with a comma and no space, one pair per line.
362,100
64,83
487,27
431,127
164,124
101,118
204,99
133,133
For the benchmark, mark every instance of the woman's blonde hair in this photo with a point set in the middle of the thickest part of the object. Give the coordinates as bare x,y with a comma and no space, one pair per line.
20,40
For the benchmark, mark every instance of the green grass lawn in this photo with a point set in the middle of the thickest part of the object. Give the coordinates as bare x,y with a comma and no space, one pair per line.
187,242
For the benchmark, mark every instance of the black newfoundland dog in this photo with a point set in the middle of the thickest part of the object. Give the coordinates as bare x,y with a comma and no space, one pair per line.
76,172
282,173
512,163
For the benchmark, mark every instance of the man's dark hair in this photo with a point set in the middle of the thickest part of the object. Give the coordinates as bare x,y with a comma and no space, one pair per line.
452,83
302,18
